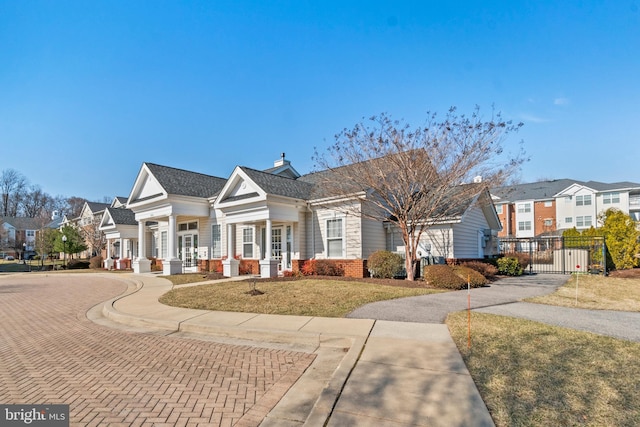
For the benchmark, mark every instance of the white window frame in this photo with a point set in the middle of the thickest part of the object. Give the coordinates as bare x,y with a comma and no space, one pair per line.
248,244
524,207
499,209
611,198
164,244
216,241
329,239
568,220
583,200
524,225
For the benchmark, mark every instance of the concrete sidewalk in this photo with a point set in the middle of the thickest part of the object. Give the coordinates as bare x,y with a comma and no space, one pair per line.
366,372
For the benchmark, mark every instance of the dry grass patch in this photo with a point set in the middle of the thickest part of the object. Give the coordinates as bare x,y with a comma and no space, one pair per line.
533,374
306,297
596,292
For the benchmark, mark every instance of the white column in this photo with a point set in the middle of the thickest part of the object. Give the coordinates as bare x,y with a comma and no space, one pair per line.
142,251
231,266
230,241
268,266
269,243
171,244
171,265
141,264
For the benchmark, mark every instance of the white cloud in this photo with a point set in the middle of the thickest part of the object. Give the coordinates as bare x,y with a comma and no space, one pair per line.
561,101
526,117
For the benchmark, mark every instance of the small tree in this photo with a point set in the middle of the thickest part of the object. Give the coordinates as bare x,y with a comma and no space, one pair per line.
412,177
622,238
73,245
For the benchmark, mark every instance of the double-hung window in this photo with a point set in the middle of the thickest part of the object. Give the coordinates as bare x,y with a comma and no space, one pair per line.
584,200
334,238
247,242
610,198
524,207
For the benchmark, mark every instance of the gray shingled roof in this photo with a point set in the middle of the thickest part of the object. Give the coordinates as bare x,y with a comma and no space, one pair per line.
23,223
97,207
186,183
279,185
122,216
542,190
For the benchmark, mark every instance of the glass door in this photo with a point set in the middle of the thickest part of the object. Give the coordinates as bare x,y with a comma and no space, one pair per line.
276,245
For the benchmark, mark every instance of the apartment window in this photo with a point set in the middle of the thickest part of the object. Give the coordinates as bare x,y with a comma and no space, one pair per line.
524,207
610,198
524,225
499,209
31,233
583,221
334,238
247,242
548,222
568,220
583,200
548,204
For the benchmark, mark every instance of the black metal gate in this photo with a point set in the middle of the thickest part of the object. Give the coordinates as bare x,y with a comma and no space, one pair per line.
560,255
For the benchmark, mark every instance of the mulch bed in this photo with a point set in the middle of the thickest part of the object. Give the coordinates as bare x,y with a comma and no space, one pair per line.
632,273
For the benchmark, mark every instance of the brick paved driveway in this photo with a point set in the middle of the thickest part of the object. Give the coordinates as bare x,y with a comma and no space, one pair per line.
51,353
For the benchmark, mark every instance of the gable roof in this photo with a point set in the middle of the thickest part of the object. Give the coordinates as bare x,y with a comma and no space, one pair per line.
279,185
23,223
542,190
96,207
186,183
121,216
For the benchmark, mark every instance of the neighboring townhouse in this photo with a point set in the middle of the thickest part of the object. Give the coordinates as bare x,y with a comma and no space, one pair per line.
88,223
581,204
268,221
121,231
19,236
528,210
549,207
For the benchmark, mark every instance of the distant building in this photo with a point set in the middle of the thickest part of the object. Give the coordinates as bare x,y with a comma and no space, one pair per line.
550,207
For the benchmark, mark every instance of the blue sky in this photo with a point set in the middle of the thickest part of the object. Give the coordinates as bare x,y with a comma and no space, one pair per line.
89,90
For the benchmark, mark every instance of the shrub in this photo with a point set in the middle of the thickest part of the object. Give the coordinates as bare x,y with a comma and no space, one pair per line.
77,264
95,262
385,264
484,268
474,278
321,267
443,276
291,273
522,258
509,267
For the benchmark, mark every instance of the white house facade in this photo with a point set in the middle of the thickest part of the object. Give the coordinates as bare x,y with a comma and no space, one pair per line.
263,222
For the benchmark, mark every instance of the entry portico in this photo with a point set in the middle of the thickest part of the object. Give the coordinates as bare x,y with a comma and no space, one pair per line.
266,210
169,197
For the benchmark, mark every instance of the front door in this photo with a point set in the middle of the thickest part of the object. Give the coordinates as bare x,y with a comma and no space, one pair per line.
187,249
276,245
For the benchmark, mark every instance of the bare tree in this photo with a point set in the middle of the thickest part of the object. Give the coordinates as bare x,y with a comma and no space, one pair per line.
74,207
94,238
413,177
35,203
12,186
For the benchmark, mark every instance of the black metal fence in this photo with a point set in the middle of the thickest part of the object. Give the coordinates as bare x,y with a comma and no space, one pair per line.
560,255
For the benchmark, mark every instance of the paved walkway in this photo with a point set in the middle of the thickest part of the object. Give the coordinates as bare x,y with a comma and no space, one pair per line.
51,353
402,369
